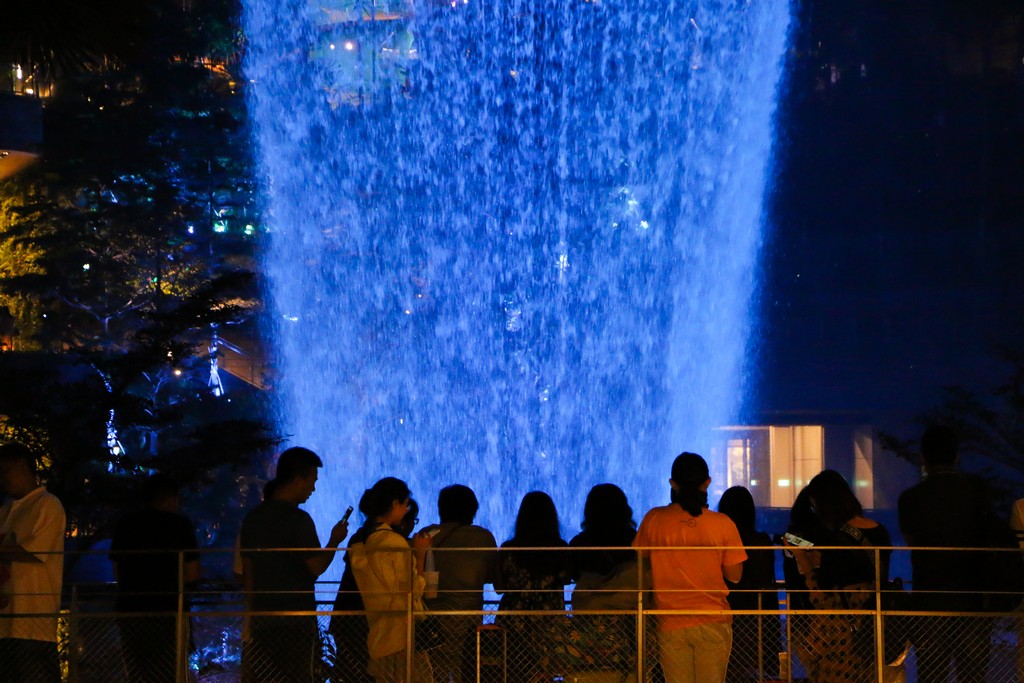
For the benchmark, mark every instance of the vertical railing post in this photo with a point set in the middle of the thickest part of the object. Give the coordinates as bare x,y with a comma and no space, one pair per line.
640,617
410,642
760,637
179,635
879,622
789,638
72,642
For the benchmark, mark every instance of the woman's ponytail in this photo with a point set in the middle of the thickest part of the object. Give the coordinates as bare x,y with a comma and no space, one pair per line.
689,473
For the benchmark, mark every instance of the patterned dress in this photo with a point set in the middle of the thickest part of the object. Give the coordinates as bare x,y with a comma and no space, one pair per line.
839,648
533,580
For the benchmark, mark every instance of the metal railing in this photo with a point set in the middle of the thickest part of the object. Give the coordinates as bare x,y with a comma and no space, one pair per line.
212,637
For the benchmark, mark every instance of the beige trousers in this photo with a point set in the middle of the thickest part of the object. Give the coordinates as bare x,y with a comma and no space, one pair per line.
699,654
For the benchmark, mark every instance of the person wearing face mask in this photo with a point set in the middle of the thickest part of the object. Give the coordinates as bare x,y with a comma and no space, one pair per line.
284,648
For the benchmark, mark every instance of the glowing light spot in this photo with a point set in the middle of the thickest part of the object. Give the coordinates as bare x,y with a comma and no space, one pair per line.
85,266
177,372
350,45
644,225
333,46
783,483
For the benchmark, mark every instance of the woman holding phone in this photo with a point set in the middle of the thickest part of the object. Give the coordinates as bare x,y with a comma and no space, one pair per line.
387,574
840,647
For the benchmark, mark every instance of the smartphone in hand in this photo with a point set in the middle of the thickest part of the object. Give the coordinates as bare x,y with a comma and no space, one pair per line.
793,539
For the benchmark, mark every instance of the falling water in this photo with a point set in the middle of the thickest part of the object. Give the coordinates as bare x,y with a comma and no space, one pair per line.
511,244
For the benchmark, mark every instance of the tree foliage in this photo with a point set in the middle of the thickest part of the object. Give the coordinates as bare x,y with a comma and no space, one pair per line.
123,252
990,425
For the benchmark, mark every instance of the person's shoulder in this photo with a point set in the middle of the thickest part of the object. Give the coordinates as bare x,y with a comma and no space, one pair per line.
40,501
253,516
881,535
256,520
385,536
481,534
720,522
662,511
912,496
718,518
48,498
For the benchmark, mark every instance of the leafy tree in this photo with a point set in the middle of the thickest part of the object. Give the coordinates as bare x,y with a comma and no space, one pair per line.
991,429
124,251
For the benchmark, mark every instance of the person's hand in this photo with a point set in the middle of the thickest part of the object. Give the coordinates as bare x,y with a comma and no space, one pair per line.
806,560
420,545
339,532
421,540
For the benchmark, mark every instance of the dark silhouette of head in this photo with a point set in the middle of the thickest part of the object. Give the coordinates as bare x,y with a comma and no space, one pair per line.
537,521
17,470
738,505
833,499
607,510
690,476
13,452
457,503
802,518
294,463
378,500
939,446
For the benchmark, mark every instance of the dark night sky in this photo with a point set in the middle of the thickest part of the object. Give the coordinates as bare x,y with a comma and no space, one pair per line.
895,264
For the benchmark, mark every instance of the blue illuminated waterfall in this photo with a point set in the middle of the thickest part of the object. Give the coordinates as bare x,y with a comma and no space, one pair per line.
511,244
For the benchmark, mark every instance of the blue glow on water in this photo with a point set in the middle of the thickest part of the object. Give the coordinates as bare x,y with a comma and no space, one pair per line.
513,244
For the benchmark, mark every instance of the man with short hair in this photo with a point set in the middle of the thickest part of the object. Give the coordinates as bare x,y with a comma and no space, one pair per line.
947,509
145,551
284,648
32,525
465,558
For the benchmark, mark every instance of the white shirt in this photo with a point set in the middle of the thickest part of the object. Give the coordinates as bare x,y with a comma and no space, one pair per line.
383,568
35,522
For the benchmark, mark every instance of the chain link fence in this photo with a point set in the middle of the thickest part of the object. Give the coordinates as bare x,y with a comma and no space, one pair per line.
219,641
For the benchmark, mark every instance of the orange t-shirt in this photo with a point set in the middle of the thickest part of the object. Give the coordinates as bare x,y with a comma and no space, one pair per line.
690,577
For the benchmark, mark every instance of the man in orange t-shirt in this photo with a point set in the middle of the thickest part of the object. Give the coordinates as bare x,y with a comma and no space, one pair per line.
690,577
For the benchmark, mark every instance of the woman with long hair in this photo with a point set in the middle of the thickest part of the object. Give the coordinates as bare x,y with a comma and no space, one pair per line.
604,566
756,639
532,574
388,575
839,647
